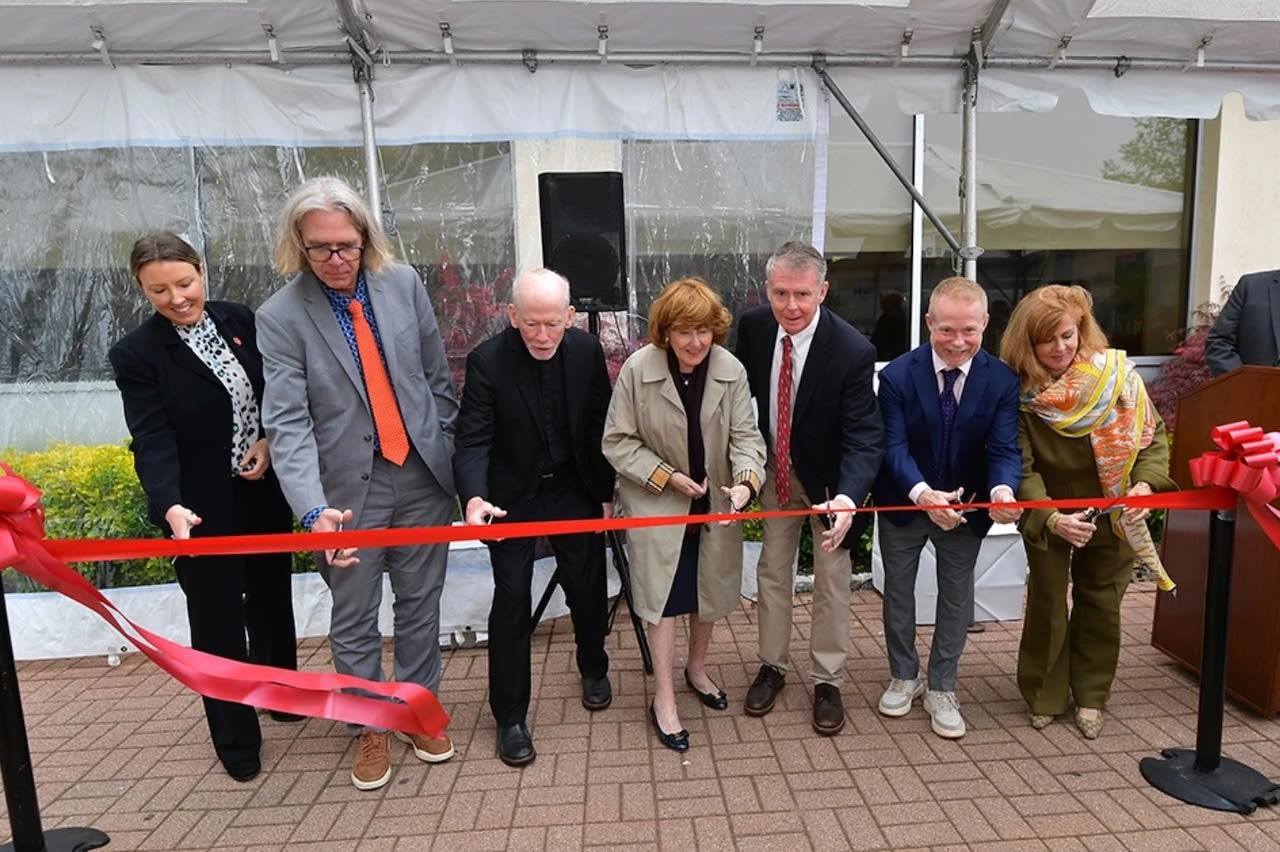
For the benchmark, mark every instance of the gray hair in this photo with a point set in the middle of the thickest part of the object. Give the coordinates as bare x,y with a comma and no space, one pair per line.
328,193
798,256
539,278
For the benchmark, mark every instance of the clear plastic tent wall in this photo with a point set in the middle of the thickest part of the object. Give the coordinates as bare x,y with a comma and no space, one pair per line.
718,170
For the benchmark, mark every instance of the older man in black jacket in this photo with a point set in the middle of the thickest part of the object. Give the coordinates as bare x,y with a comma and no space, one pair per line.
528,449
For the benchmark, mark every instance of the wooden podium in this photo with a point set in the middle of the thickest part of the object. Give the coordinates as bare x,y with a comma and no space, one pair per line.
1253,642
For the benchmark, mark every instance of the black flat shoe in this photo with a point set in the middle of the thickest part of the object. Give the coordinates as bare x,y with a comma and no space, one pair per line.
720,701
243,770
675,742
515,746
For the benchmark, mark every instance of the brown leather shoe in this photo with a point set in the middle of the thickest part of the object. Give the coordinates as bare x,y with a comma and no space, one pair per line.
828,709
764,692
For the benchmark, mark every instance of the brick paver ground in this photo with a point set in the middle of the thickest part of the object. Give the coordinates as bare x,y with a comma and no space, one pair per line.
126,750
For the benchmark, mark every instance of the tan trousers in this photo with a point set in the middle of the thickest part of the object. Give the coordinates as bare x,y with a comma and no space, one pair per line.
829,631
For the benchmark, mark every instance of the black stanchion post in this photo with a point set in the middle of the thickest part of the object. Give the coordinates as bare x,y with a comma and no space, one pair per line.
1204,777
15,768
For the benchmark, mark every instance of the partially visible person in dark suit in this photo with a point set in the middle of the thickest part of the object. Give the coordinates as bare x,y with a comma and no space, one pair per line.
683,437
951,433
1248,329
1087,428
889,335
528,449
810,373
191,380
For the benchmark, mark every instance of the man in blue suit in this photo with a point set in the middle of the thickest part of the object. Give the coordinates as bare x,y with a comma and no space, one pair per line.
951,429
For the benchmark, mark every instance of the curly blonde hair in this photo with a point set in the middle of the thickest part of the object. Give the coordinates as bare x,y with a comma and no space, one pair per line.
1034,321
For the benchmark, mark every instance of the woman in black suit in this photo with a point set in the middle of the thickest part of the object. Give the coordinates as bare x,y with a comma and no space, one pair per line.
191,380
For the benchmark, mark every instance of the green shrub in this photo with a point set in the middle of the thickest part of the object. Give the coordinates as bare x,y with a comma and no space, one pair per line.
93,492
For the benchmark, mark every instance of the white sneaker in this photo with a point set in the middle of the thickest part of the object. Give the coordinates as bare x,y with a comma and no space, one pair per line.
944,711
897,699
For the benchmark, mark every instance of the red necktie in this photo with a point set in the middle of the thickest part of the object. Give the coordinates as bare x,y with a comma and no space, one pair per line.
382,399
782,446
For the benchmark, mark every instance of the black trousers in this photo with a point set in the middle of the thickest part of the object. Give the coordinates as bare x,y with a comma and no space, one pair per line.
229,596
581,571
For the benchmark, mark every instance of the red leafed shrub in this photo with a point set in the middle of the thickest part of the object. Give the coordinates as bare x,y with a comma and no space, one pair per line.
1187,370
467,313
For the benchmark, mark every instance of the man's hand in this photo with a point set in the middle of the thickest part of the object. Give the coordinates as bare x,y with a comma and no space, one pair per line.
256,460
480,512
181,519
945,516
1004,494
606,511
333,520
841,508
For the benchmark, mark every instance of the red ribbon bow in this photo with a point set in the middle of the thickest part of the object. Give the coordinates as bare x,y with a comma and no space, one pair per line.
22,546
1248,463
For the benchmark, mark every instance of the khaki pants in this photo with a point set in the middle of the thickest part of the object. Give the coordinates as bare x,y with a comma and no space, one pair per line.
829,631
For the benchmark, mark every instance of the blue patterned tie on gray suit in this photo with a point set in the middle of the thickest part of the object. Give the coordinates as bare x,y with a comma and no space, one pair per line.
947,402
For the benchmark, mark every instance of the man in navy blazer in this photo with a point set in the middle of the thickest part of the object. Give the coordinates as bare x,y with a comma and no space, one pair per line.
1248,329
835,444
951,433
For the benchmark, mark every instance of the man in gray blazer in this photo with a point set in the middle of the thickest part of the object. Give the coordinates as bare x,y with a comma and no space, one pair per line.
359,410
1248,329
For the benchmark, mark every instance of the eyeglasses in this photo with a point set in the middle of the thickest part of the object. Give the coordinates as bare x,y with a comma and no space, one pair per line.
321,254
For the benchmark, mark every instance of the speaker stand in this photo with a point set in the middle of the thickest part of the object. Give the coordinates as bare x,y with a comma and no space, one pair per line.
620,565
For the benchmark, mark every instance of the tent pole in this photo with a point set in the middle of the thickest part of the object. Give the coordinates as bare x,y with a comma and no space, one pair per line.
969,167
370,143
819,67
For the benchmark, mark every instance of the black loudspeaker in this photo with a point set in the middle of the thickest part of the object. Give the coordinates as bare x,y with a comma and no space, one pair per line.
583,237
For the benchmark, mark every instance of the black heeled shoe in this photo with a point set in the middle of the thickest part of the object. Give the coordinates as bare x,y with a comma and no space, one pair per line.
719,701
677,741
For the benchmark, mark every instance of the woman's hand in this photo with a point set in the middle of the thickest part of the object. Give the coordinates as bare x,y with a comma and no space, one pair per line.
1138,513
687,486
256,461
181,519
1074,530
738,496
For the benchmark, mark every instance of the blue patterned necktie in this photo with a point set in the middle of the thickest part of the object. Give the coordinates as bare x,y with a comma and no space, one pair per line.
947,402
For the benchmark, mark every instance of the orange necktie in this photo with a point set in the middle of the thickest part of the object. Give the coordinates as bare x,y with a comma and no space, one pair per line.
382,399
782,446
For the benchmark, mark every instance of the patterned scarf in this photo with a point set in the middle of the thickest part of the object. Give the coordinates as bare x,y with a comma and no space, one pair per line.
1104,397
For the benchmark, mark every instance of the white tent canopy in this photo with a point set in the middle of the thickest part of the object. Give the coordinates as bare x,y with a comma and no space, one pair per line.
79,73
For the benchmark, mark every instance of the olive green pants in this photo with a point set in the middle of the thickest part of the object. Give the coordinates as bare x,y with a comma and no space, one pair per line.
1073,655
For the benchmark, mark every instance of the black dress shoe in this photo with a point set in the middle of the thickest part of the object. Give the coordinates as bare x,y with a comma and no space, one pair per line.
716,702
676,742
244,769
764,692
597,694
828,709
281,716
515,746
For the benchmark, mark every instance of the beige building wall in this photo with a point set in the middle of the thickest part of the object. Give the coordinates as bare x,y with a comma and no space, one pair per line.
531,157
1238,211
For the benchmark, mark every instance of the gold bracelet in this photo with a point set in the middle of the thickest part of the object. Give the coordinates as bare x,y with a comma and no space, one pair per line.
1052,522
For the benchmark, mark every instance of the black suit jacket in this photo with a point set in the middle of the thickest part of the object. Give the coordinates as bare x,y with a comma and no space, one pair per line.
500,433
837,439
180,418
1248,329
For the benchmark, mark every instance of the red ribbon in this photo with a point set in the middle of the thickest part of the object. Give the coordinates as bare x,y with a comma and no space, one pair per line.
1248,462
23,546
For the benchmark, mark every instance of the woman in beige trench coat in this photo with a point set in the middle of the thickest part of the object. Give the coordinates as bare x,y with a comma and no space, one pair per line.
671,464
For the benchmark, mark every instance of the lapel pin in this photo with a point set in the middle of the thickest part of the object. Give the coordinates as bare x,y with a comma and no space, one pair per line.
236,341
